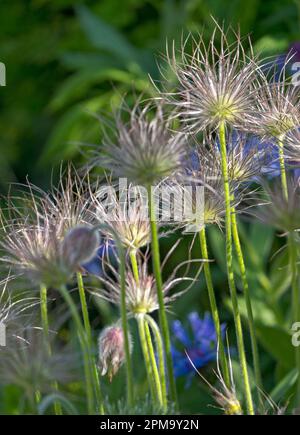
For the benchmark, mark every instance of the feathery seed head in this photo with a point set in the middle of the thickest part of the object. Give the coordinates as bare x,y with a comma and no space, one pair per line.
35,251
278,210
16,309
228,402
215,85
34,244
202,169
225,396
277,108
247,157
27,364
141,295
292,145
126,213
68,204
143,150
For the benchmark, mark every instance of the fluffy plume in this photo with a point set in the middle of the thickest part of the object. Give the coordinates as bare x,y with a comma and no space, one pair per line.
215,85
144,149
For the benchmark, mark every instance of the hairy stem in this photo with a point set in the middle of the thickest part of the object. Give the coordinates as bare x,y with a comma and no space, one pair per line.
295,302
154,365
160,352
45,325
134,265
123,310
83,343
282,167
148,366
88,331
214,307
292,249
159,286
145,343
250,317
230,274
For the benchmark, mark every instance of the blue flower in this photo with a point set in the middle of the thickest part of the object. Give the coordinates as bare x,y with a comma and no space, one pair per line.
251,157
199,341
282,64
94,266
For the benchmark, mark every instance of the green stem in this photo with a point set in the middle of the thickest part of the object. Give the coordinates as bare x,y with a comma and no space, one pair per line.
45,325
124,319
250,317
230,274
293,263
144,347
145,343
155,372
83,343
214,307
159,287
160,352
282,167
134,265
44,317
295,302
123,310
88,331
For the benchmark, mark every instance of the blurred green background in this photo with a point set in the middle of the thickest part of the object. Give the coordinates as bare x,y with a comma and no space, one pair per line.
67,62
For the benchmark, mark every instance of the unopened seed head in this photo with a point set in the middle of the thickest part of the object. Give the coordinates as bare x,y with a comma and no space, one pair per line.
79,245
111,350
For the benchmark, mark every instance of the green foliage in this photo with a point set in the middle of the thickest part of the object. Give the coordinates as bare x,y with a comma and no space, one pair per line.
66,66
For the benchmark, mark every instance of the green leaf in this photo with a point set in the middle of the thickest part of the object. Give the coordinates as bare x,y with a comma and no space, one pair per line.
262,312
277,342
284,386
78,85
279,274
271,45
104,36
64,140
89,61
261,237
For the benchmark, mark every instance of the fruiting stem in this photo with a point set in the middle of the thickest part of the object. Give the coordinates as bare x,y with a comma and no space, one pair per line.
88,331
83,343
146,342
230,273
45,325
159,287
148,366
124,319
153,364
250,317
134,265
123,310
160,352
292,261
295,302
214,307
282,167
44,316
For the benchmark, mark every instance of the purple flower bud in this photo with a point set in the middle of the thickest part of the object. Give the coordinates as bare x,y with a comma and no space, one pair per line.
80,245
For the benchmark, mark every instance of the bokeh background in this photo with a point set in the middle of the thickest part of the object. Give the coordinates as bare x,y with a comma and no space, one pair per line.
68,61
